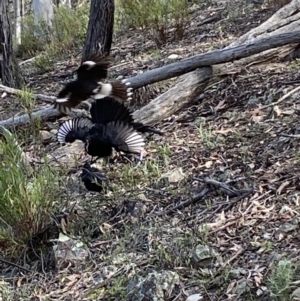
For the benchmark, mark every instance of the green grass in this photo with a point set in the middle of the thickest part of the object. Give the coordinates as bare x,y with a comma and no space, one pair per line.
281,280
27,198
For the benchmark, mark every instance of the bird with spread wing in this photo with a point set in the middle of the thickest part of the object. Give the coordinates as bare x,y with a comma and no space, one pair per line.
90,84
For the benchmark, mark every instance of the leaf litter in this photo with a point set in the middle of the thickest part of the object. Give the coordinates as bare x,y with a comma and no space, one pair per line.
239,197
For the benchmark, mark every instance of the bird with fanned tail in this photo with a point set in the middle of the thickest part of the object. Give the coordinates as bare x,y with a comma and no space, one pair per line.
90,84
111,126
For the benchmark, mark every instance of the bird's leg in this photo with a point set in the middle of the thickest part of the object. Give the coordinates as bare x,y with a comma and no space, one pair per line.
140,160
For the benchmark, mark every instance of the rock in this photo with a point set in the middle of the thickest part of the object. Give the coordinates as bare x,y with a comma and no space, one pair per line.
68,251
173,176
66,156
173,56
45,136
296,294
202,256
156,286
195,297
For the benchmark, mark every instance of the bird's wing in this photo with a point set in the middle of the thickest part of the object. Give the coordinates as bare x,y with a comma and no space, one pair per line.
108,109
124,138
73,129
94,68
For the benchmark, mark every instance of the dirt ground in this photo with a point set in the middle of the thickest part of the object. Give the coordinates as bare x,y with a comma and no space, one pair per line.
230,214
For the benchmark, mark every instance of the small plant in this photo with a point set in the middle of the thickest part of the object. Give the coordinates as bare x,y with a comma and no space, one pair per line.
280,281
27,99
208,139
165,154
43,62
27,196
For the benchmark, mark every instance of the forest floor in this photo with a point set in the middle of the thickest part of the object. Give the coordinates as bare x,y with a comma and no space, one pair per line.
237,164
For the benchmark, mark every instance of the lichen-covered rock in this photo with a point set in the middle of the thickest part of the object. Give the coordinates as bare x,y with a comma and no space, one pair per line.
155,286
202,256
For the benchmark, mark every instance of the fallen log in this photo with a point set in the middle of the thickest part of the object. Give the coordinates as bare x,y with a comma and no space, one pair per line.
219,56
182,94
286,19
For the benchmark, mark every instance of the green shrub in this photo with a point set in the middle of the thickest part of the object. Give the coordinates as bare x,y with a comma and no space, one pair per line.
155,17
27,196
69,30
281,280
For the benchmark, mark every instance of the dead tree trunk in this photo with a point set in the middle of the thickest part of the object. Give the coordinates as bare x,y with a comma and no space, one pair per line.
10,72
100,28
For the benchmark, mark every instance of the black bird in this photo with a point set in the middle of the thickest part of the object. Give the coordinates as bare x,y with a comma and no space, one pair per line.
109,109
92,178
101,134
90,83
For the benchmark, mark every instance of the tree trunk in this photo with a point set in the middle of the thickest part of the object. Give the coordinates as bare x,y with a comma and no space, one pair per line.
100,28
17,11
10,72
43,12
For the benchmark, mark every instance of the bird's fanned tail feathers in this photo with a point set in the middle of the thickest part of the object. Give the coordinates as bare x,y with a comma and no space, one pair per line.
125,138
117,89
73,129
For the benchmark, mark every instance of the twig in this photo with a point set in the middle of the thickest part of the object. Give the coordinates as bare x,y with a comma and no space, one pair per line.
186,203
289,136
42,97
281,99
15,265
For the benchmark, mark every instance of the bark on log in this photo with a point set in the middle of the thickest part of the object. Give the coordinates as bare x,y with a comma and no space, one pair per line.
286,19
44,114
176,69
182,94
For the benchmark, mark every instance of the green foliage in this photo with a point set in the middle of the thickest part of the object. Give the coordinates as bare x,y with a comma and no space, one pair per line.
281,279
27,100
27,195
69,30
154,17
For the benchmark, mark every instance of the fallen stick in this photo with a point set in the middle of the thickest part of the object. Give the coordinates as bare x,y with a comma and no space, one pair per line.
42,97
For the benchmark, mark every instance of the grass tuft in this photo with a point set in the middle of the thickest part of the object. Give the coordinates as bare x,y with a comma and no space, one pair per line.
27,198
